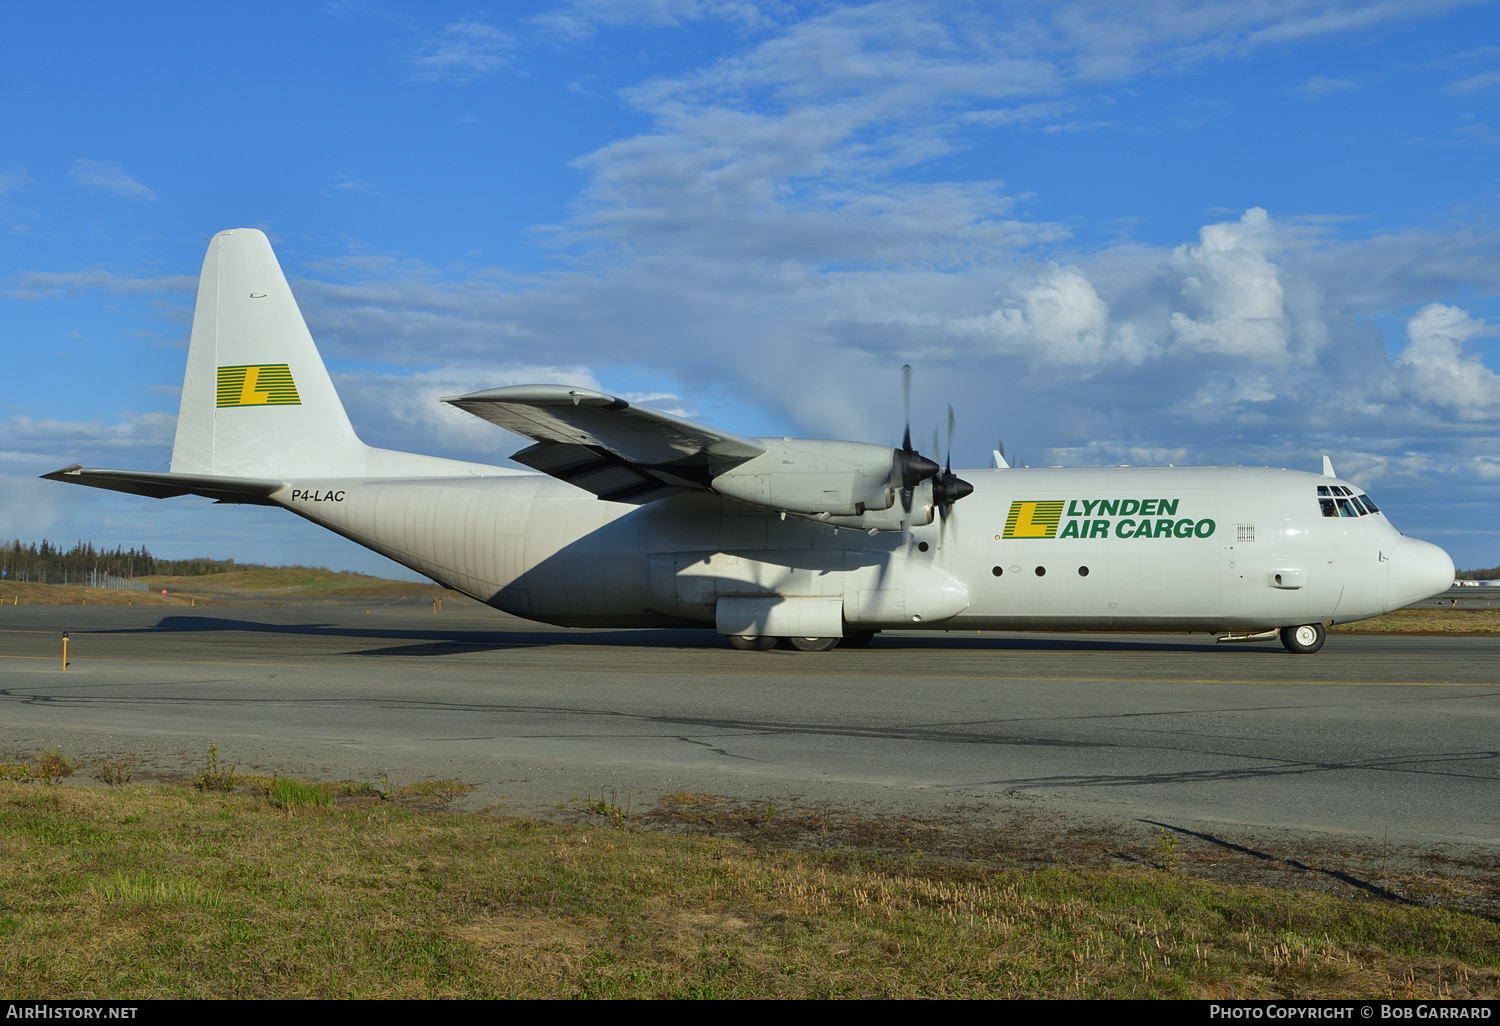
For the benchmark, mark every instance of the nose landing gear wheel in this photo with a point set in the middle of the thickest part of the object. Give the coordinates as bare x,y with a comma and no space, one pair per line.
746,643
1304,640
812,644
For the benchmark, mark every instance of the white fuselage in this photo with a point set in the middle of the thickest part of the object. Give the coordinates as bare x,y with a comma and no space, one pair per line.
1223,549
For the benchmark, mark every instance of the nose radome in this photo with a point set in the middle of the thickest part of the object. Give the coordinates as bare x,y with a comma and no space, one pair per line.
1418,570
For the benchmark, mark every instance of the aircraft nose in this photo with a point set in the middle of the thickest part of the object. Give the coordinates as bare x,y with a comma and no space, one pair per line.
1418,570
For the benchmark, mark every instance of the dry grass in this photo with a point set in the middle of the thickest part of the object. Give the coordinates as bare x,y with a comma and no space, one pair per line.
1428,621
164,891
228,588
26,594
293,581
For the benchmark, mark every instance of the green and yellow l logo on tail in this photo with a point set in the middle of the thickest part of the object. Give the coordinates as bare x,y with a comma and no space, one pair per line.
268,384
1033,519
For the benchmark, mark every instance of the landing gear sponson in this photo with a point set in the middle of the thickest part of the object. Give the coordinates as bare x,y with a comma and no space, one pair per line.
1303,640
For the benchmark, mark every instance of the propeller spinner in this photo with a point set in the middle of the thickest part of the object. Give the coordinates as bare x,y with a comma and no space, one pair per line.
948,487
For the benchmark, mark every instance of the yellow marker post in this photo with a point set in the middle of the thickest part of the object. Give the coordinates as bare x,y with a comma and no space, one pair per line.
65,650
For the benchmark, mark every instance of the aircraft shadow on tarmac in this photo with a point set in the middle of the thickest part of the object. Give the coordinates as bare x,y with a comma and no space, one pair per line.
437,642
1367,886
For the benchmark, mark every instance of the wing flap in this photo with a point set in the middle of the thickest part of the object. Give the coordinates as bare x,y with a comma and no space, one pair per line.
596,470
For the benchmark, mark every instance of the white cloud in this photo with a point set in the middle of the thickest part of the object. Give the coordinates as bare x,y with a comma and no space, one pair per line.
1057,319
1437,369
107,176
135,435
1317,87
37,284
345,185
13,178
1250,328
405,411
1473,83
1235,290
464,50
580,19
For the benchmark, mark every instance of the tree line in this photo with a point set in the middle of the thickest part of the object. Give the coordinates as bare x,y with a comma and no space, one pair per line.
52,564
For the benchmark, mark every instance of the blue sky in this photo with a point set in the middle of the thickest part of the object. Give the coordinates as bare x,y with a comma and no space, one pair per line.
1247,232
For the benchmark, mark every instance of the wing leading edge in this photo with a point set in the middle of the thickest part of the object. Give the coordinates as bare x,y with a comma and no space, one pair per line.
603,444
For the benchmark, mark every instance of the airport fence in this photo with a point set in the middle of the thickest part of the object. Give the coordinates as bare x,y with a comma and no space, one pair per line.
87,579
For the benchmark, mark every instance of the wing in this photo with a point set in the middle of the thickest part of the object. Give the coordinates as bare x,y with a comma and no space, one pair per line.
601,443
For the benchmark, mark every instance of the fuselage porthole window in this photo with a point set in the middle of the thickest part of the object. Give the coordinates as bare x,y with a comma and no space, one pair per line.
1041,571
997,571
1083,571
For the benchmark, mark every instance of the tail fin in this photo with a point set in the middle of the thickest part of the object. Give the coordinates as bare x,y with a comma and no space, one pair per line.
257,400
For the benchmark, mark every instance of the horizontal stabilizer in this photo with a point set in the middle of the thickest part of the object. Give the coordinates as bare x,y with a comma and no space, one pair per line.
164,486
603,444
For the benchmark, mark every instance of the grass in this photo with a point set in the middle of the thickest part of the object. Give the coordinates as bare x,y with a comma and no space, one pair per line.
27,594
219,589
292,580
1428,621
167,891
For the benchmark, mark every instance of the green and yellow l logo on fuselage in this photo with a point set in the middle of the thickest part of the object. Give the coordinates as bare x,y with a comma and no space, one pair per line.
1033,519
267,384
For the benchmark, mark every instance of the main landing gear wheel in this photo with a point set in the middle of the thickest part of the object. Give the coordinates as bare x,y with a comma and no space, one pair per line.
1304,640
746,643
813,644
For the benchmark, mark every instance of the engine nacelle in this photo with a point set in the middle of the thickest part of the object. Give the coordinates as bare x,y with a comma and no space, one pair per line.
814,476
923,510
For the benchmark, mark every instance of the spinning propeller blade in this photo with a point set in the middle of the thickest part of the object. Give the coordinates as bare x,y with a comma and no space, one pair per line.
910,468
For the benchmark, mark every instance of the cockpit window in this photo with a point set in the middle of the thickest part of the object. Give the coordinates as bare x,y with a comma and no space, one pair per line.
1356,505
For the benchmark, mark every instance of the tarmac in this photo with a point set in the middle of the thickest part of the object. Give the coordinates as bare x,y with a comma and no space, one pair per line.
1378,739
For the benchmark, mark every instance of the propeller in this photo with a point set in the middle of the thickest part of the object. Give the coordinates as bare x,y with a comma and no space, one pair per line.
909,467
948,487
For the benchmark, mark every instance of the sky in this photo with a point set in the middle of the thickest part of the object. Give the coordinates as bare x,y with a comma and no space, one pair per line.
1248,232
